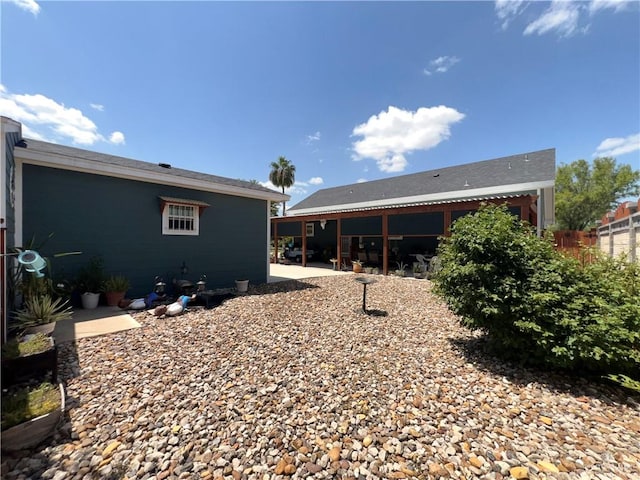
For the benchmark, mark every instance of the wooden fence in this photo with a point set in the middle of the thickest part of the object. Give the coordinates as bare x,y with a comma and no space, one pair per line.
575,243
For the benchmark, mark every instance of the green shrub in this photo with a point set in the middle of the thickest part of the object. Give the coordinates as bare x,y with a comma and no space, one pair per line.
536,305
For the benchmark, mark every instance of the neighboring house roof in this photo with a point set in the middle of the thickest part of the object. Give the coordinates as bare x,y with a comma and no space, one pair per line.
70,158
501,177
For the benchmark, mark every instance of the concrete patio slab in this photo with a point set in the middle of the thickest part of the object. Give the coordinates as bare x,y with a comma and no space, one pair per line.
90,323
280,273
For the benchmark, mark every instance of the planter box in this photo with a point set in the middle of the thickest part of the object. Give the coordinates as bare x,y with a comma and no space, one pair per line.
15,370
34,431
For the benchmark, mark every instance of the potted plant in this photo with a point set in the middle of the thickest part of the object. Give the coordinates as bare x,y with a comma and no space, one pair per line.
375,270
400,270
242,286
115,288
27,357
418,271
30,414
357,266
39,314
90,280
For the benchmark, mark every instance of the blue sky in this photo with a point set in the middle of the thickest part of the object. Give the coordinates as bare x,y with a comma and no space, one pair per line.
347,91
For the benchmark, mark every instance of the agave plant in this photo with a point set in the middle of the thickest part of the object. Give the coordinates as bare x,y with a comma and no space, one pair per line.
42,309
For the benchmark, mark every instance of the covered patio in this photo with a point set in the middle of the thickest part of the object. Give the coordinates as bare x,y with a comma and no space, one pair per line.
400,219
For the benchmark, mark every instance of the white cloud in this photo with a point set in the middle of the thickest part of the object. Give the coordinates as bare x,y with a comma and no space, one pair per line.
316,181
362,180
28,5
97,106
388,136
561,16
117,138
617,5
296,189
27,132
314,137
440,65
43,117
612,147
507,10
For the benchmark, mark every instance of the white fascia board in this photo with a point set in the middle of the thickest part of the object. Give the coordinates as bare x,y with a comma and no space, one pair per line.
78,164
515,189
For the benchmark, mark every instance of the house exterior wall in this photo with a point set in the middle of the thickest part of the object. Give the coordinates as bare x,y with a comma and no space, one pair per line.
292,229
619,231
121,221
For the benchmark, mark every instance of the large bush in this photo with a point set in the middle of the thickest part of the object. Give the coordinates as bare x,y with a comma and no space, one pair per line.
537,305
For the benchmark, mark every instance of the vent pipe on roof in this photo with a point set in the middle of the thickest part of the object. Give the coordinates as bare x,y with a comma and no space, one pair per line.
164,165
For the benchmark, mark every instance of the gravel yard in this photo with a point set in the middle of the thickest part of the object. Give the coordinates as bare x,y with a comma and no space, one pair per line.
291,381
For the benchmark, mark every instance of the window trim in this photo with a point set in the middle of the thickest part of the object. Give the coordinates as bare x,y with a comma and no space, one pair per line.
196,206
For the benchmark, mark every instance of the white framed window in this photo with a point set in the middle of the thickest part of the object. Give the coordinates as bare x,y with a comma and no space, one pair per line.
310,229
181,217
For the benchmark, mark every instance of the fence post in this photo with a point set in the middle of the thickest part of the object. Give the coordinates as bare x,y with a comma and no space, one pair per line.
632,231
611,218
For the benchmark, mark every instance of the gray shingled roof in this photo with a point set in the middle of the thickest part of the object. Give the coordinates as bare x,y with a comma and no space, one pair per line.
525,168
139,165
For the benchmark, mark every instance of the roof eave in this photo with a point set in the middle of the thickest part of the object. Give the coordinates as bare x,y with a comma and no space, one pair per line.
75,163
502,190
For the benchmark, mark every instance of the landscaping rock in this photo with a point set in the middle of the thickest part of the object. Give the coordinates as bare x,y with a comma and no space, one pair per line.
293,380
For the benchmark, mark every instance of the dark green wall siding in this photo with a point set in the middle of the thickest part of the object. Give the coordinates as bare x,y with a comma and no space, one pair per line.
289,229
362,226
121,221
417,224
323,242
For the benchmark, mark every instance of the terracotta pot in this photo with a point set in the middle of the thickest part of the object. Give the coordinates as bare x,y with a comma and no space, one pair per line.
113,298
357,268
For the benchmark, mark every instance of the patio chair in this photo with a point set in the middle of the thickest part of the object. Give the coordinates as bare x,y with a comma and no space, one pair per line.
424,262
434,266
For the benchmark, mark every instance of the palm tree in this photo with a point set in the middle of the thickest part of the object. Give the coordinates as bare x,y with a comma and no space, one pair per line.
283,174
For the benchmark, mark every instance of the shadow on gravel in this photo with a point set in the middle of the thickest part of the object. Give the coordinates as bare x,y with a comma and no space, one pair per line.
477,351
279,287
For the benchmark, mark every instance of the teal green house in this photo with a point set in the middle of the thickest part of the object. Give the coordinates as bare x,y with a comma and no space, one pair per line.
144,219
